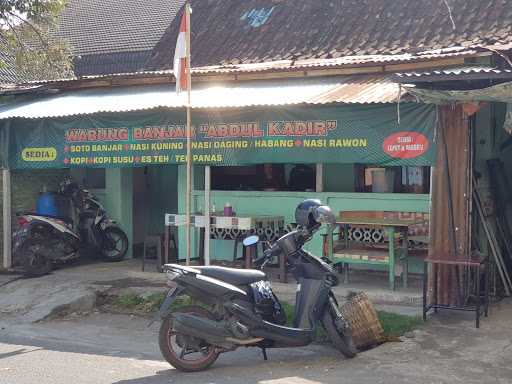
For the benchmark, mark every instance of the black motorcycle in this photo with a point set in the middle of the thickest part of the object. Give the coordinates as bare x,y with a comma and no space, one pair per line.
238,307
42,241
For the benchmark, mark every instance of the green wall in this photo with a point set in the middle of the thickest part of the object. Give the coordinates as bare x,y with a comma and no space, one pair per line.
161,194
119,200
284,204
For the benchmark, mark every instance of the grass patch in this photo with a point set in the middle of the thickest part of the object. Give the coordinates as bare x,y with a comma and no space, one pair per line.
396,325
289,310
138,303
129,300
144,304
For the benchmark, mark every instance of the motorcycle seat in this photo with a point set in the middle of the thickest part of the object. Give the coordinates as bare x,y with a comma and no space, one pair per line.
66,219
232,275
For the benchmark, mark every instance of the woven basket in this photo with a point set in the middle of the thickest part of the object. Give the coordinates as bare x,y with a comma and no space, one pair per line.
366,327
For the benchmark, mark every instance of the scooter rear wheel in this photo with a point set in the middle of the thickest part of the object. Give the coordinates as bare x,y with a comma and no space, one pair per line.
34,261
183,352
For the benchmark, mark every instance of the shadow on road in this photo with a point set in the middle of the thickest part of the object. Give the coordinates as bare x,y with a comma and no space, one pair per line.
216,376
20,351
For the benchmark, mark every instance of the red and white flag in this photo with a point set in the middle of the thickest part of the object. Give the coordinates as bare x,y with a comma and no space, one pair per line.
180,57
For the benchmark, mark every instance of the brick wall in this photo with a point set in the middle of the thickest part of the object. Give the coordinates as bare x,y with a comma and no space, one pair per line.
25,188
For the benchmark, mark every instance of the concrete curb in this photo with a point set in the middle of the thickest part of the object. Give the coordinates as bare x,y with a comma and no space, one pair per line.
79,299
286,292
84,303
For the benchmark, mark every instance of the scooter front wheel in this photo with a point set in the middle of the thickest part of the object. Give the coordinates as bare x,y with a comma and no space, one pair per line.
342,342
115,244
184,352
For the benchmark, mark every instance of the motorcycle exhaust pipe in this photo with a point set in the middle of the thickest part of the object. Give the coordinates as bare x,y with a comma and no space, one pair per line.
260,328
213,332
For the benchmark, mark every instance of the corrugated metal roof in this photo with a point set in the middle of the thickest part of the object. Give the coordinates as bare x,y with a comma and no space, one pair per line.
460,71
343,90
287,65
345,61
497,93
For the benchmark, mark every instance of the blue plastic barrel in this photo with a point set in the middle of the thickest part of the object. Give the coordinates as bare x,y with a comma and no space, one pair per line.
46,205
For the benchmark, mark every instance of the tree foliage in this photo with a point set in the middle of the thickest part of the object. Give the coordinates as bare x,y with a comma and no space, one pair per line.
26,37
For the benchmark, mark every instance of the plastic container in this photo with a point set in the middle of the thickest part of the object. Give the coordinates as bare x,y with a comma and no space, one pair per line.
46,205
228,210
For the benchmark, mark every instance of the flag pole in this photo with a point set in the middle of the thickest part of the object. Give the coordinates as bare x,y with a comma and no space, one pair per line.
189,137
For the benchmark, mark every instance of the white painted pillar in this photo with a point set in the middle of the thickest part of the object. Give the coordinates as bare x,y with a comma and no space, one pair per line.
6,196
207,188
319,177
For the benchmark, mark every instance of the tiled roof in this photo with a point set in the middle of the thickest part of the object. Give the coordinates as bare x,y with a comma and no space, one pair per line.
7,71
107,26
248,31
110,63
110,36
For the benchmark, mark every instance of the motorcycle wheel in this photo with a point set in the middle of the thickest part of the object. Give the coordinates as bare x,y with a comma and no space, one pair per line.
342,342
34,262
115,244
177,349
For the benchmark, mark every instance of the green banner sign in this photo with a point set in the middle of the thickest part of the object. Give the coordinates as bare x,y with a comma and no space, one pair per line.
327,134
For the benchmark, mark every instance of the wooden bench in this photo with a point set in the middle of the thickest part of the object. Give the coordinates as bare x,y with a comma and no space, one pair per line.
369,238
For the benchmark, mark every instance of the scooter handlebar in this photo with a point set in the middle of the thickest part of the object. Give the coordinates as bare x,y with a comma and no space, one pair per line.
268,254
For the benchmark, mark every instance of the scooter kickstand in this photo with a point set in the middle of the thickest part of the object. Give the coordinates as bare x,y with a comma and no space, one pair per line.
264,351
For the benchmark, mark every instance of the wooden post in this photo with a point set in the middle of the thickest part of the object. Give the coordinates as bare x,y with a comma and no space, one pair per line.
391,240
207,188
319,177
7,259
189,138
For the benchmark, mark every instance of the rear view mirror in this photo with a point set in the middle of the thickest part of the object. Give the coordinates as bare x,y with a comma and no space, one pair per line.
251,240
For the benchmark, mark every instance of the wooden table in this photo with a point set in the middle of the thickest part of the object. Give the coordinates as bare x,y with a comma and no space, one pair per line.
372,257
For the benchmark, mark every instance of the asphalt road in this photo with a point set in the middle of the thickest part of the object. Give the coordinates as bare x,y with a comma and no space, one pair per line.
121,349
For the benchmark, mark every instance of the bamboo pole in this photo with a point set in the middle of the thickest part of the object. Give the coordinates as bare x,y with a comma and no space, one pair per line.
207,215
189,138
319,177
